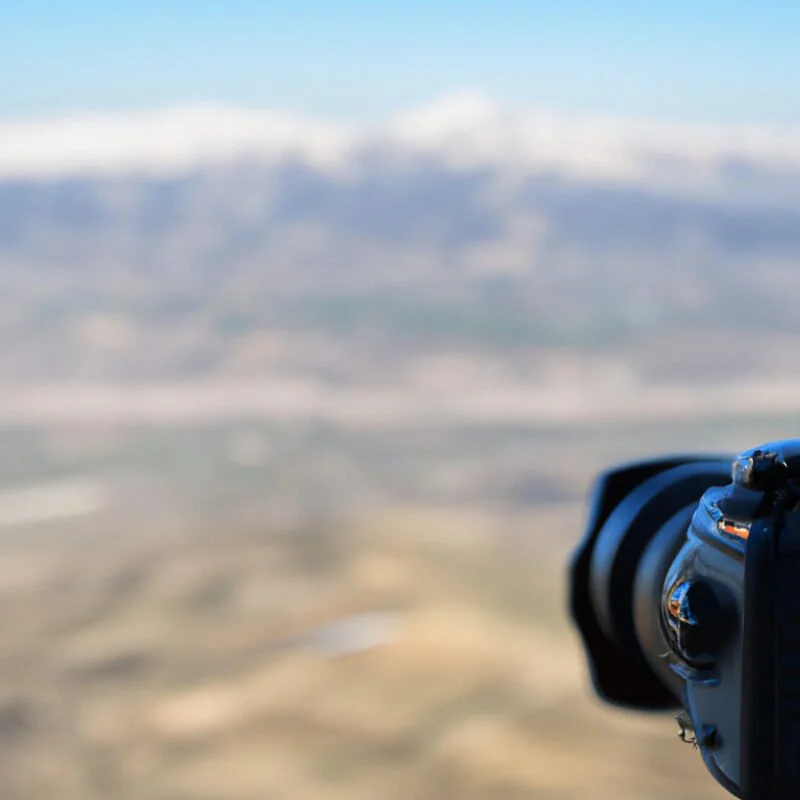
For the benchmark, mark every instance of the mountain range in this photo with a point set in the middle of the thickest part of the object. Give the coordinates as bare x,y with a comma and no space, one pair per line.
460,220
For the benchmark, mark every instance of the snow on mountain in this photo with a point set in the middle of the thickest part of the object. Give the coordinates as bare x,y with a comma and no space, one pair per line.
163,141
464,130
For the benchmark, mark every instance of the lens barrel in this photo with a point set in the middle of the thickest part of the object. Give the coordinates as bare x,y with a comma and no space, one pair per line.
637,523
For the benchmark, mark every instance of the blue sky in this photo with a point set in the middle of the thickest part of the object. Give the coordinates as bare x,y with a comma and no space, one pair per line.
693,61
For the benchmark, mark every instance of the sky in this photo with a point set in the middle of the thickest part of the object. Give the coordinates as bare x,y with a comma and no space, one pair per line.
698,60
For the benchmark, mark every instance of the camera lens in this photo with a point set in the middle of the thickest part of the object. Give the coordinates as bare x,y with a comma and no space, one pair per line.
639,521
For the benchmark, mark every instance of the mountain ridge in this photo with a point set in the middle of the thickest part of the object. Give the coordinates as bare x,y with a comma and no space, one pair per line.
465,130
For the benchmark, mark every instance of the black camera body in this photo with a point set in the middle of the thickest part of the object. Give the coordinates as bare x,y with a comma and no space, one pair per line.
686,592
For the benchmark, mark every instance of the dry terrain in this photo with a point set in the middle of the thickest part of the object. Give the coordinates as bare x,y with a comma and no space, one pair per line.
170,634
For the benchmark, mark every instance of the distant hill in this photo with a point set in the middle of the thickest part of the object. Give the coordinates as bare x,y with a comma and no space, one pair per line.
460,221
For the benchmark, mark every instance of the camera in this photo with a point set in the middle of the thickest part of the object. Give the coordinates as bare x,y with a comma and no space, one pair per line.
686,593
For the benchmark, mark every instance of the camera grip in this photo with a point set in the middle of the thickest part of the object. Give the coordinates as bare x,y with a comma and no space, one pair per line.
770,749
